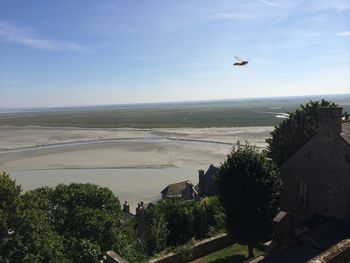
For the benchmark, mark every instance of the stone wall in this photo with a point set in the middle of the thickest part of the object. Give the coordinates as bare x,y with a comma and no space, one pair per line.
112,257
338,253
322,166
199,250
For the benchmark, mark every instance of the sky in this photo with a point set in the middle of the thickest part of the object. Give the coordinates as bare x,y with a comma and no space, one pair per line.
92,52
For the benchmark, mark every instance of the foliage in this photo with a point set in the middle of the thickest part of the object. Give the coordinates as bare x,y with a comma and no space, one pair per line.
185,250
69,223
249,187
174,221
179,217
82,250
159,232
291,134
9,193
346,116
25,233
86,211
209,217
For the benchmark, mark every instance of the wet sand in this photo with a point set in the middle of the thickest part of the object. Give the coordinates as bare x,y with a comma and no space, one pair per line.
39,156
30,148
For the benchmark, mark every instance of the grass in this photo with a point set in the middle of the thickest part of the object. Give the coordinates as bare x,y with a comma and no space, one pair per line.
254,112
233,254
215,115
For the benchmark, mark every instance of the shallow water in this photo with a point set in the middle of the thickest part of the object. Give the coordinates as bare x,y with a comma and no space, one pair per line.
133,185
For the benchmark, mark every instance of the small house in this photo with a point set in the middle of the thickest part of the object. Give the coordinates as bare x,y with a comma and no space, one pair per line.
184,190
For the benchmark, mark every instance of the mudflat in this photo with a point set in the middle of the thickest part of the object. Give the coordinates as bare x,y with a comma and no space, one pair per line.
136,164
30,148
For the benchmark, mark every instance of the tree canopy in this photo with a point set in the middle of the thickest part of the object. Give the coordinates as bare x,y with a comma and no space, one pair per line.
249,187
68,223
291,134
183,220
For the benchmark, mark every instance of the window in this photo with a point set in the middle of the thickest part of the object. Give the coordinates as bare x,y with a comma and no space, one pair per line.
303,194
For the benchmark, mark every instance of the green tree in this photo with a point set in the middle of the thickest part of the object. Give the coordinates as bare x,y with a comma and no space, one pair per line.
291,134
69,223
25,231
249,187
346,116
9,200
160,232
209,217
179,217
82,250
87,216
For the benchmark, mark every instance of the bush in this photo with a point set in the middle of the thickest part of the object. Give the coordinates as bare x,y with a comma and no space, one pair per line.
177,221
209,217
179,217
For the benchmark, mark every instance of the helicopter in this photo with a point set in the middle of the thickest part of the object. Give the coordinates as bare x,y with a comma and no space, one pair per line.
240,62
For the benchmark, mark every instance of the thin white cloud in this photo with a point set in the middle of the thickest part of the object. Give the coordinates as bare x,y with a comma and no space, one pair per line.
337,5
344,34
270,3
14,34
235,16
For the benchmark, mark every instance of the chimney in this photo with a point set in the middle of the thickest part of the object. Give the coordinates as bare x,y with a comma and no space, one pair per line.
330,122
200,181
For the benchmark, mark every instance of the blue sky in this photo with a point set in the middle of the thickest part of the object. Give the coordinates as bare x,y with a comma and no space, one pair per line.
83,52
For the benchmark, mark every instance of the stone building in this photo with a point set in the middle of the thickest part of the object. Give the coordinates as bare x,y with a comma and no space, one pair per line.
184,190
206,183
315,199
316,179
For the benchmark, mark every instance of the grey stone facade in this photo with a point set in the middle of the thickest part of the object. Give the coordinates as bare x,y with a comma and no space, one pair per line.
316,179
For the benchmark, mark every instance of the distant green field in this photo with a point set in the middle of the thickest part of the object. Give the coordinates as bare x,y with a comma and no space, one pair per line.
259,112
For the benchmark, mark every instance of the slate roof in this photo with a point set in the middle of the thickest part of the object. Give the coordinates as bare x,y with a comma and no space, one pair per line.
177,188
211,171
311,243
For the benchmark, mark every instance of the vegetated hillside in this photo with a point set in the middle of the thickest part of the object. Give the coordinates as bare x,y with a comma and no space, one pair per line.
230,113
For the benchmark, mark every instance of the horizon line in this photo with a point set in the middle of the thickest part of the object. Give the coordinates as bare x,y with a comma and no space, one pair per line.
165,102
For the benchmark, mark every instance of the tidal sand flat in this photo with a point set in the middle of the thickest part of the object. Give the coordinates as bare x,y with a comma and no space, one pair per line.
135,163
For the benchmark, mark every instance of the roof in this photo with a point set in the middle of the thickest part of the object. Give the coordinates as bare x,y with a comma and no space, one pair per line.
312,243
345,135
176,188
211,170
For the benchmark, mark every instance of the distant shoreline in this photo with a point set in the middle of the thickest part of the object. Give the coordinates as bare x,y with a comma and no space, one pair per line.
169,103
223,113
